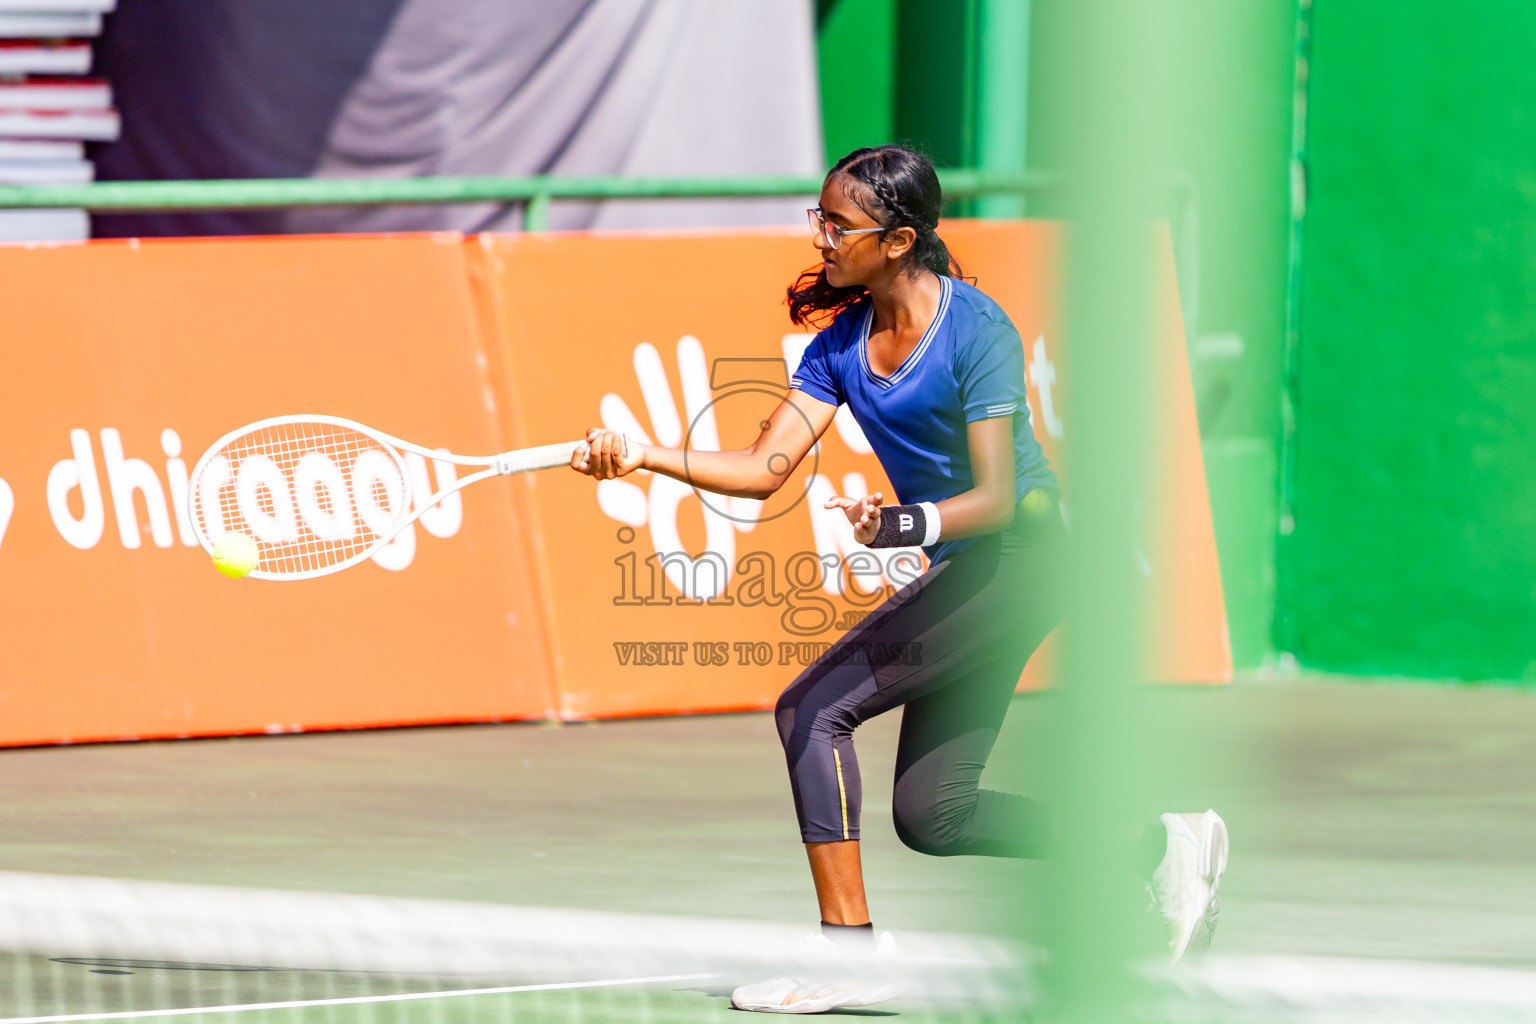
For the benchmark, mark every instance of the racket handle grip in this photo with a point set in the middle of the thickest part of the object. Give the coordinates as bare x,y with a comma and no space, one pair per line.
525,460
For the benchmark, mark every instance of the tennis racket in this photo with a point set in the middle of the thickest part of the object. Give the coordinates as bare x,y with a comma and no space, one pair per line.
320,493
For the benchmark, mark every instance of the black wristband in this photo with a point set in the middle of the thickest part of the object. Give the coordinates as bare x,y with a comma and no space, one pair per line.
901,526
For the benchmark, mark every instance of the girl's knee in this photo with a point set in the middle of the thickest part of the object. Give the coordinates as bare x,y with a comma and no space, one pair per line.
929,825
784,718
786,710
925,831
813,711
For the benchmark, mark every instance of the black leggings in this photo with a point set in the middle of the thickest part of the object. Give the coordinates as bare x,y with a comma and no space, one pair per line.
950,646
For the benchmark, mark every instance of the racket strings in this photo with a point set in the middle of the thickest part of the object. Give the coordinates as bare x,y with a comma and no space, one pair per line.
313,495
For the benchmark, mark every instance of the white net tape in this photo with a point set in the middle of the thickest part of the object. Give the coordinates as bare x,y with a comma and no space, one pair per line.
137,947
101,949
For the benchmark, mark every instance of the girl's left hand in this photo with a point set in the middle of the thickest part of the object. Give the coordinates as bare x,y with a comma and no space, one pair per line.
863,513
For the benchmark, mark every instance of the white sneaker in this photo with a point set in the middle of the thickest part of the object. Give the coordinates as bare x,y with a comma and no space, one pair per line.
1186,884
786,994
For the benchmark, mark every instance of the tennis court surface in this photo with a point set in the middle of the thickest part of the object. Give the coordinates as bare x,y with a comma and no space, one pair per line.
635,870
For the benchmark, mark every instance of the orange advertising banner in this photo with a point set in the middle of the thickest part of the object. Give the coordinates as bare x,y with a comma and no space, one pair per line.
546,595
660,598
120,363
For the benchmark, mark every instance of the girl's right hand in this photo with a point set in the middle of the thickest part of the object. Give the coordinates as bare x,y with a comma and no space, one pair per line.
608,455
863,513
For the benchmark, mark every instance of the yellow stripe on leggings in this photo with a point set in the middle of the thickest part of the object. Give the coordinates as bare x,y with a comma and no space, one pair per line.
842,791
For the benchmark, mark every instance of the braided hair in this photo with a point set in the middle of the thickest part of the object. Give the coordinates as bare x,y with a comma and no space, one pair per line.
898,188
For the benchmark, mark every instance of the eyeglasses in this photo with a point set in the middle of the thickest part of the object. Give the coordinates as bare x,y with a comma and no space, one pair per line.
831,231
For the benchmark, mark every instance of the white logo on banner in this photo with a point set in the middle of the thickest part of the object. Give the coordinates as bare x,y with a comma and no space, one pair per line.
651,500
7,506
132,483
442,520
659,505
1042,374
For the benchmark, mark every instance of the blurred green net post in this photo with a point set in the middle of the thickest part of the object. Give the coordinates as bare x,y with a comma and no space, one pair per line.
1096,750
1112,97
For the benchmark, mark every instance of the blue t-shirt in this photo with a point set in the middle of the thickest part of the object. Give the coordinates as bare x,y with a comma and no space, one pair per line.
968,366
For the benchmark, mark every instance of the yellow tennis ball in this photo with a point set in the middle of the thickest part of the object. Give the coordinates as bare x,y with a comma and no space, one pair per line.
235,554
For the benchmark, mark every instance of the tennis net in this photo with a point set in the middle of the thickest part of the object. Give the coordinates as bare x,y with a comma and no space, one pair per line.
81,949
75,948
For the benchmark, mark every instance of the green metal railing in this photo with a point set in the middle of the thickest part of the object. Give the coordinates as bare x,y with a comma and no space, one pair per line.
536,192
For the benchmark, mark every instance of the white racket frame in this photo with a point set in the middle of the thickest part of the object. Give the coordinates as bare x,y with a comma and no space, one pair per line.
521,460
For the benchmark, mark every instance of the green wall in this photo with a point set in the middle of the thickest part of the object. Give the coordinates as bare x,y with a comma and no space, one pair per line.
856,56
1405,541
950,77
981,82
1230,67
905,71
1234,141
1414,498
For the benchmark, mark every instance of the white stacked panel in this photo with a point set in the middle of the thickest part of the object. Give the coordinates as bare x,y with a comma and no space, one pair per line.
48,112
58,6
64,225
22,25
44,57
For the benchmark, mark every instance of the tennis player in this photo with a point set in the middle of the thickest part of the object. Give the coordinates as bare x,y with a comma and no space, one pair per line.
933,371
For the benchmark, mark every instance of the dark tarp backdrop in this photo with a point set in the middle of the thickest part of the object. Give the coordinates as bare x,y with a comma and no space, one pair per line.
397,88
